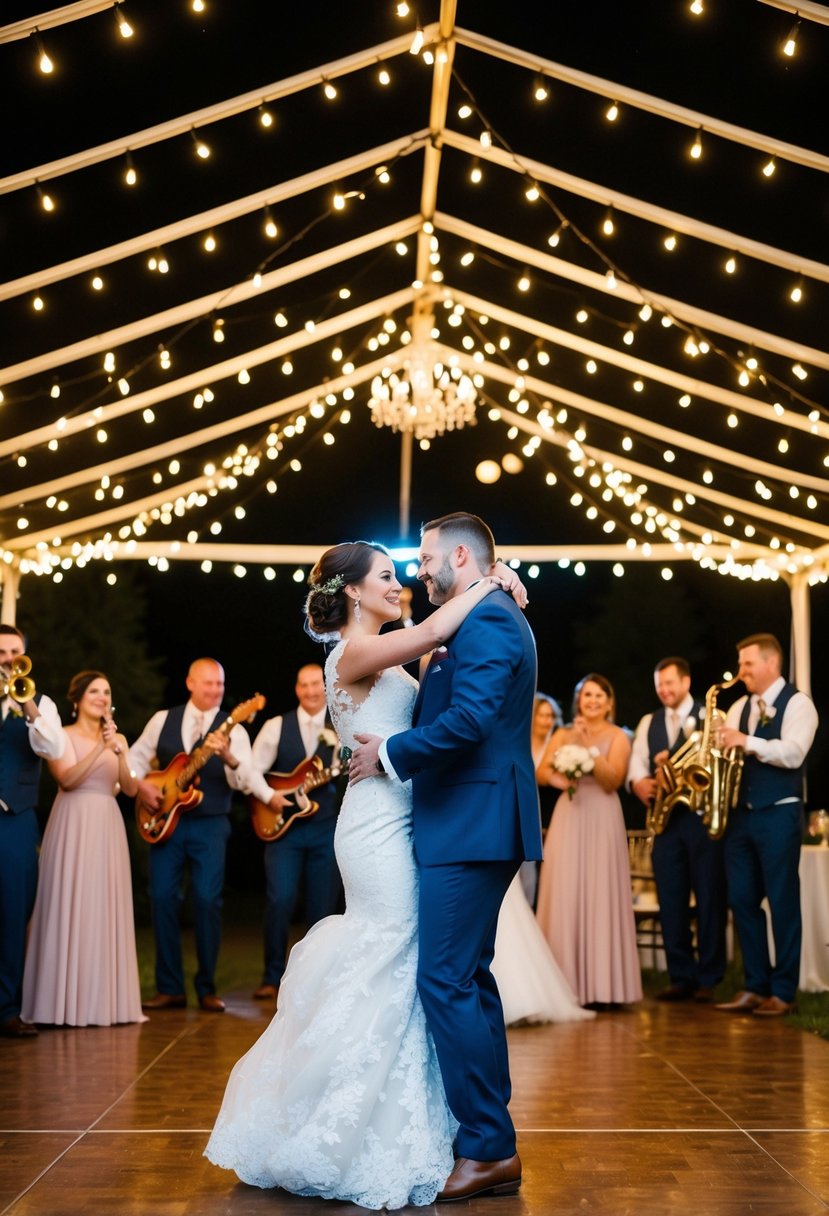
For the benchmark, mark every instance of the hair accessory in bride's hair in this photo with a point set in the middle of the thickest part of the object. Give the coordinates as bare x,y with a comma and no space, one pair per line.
329,587
327,639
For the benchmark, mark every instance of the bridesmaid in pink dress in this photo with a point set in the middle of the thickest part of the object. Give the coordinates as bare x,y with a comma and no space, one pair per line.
585,907
81,963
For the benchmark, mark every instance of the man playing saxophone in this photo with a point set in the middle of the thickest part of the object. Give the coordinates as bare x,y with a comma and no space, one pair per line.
685,858
775,725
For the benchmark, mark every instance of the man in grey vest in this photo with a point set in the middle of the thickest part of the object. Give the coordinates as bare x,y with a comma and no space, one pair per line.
306,851
775,724
30,730
199,839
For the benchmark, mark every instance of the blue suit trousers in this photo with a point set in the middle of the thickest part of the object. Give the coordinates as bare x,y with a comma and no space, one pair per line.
458,916
762,855
686,859
306,849
19,836
198,842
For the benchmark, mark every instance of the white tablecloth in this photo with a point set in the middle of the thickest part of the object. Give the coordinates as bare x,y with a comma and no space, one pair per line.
814,903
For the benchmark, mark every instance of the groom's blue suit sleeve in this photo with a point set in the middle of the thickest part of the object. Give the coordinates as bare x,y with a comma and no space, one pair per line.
468,753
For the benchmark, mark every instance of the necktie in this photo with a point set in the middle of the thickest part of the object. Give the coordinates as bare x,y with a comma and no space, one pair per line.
761,707
674,727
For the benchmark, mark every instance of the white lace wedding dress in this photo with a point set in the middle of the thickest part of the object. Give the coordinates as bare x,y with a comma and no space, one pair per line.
342,1096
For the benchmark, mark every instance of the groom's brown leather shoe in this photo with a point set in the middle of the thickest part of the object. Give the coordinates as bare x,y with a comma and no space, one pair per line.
470,1178
743,1002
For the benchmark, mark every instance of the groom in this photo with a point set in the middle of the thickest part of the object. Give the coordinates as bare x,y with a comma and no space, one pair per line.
475,818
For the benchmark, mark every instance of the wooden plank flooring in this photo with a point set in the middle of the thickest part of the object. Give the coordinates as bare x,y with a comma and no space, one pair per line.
654,1110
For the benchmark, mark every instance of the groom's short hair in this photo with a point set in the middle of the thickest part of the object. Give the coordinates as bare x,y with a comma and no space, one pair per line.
461,528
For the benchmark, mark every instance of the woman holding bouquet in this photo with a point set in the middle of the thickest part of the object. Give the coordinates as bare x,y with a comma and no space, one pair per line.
584,902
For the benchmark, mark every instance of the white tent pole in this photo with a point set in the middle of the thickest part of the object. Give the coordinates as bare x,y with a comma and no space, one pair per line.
9,586
799,658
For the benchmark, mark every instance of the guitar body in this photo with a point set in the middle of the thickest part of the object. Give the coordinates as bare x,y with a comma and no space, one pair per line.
177,782
269,824
159,825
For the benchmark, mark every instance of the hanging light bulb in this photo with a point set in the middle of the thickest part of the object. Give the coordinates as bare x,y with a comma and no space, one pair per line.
670,242
476,174
416,45
43,61
612,112
130,175
198,6
329,89
696,7
46,200
265,116
384,77
695,151
790,45
608,227
540,90
796,293
271,230
731,265
209,243
202,150
124,27
769,167
532,194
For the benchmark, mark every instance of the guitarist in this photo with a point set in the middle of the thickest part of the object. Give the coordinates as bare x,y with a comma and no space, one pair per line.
200,836
307,848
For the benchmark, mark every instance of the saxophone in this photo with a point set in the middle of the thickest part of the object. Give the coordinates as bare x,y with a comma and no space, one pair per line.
701,775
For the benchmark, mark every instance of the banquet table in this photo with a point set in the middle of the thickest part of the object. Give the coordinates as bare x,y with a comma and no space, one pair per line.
814,904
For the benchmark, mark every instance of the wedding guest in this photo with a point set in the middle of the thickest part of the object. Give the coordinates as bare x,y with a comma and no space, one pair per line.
775,725
584,900
685,858
547,717
30,730
81,963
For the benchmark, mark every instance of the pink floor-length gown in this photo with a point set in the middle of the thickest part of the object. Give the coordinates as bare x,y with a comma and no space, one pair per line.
81,963
585,907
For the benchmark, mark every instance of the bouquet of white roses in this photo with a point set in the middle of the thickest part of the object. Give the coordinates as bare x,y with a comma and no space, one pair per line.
573,761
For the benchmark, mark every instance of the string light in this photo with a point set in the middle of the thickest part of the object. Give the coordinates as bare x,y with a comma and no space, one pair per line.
540,90
218,330
796,293
790,45
130,174
476,174
696,7
532,194
270,227
612,112
384,77
416,45
202,150
43,61
198,6
38,304
329,89
97,283
670,242
608,227
769,168
695,151
209,243
265,116
46,200
124,26
731,265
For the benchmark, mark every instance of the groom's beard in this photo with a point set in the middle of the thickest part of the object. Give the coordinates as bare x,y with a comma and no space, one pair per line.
442,584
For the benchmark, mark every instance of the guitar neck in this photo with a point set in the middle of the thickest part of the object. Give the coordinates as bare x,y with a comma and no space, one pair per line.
200,756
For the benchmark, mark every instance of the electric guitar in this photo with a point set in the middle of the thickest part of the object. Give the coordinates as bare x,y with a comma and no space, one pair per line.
269,824
177,782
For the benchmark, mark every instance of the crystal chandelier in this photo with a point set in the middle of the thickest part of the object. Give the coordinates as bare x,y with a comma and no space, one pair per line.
428,397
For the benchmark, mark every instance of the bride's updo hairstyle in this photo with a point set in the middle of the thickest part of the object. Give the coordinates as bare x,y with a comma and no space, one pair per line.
327,604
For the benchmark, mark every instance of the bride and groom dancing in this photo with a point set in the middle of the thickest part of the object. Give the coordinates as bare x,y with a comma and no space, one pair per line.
383,1079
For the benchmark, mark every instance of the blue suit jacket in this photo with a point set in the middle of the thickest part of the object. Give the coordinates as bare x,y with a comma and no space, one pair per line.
468,752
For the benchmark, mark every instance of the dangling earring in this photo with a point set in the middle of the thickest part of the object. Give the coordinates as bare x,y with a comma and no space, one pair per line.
358,616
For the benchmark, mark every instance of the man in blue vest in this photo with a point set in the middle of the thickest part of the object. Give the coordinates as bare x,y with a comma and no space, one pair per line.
685,858
776,725
306,851
199,839
29,731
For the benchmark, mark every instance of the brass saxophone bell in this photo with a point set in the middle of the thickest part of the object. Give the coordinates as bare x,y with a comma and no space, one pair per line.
14,680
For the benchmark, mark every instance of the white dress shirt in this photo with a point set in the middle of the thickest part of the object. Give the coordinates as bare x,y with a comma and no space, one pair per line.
46,737
266,745
797,730
144,750
640,761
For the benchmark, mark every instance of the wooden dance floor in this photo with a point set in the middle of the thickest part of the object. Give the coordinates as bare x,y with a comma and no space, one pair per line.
660,1109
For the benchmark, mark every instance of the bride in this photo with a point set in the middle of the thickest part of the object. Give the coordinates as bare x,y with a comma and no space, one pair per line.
342,1097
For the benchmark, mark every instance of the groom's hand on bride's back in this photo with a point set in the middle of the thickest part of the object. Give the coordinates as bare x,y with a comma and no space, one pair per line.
364,759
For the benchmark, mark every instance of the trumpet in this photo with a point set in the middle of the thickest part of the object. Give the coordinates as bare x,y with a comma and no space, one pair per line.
14,679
